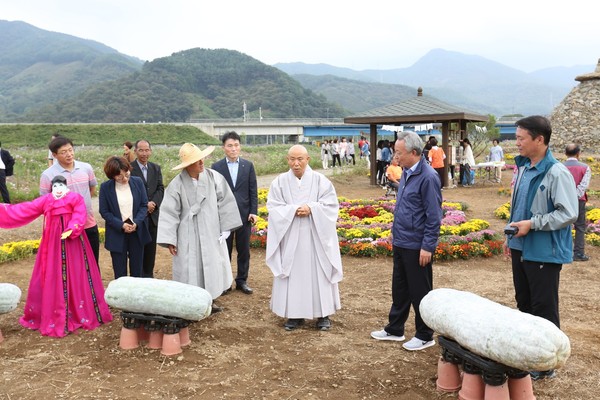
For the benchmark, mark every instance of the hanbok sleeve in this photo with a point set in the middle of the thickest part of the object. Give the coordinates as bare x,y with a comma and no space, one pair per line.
16,215
170,215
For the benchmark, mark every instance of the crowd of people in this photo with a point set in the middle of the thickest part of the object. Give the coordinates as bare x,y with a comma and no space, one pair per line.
204,213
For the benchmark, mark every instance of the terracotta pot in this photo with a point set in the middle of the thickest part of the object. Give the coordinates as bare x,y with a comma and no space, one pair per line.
171,344
473,387
184,336
129,339
143,335
521,388
448,376
156,339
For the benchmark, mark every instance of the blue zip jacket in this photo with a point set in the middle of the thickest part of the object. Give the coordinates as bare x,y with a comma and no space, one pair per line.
552,207
418,212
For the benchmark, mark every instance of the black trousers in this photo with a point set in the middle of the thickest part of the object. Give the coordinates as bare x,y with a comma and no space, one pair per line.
3,188
410,283
536,287
241,237
580,225
150,251
336,157
134,252
94,239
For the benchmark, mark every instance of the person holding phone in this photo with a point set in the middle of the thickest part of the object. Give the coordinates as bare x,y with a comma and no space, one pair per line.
124,205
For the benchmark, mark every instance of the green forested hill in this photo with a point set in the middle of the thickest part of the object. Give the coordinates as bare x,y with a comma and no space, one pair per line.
38,67
196,83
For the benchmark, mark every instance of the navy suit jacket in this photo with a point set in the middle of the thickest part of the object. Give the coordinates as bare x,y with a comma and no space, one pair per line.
245,189
109,209
154,185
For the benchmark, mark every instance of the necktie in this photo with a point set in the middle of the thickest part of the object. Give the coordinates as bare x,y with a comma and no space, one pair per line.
145,172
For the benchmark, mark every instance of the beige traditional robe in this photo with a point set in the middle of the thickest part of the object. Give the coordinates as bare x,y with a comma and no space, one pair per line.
303,252
192,217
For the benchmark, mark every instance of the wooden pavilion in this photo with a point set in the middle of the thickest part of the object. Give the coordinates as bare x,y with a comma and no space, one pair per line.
418,110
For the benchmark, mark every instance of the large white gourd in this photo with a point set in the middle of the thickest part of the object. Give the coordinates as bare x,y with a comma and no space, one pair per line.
502,334
158,296
10,295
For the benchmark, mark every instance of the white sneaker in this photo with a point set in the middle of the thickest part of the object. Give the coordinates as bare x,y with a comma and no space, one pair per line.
383,335
418,344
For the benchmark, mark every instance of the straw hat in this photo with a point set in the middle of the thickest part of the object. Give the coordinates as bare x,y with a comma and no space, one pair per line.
189,153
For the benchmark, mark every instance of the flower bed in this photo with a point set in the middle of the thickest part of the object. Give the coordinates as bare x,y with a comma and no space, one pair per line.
364,230
13,251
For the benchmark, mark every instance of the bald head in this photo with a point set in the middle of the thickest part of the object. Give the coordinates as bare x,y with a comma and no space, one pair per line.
297,159
572,150
298,149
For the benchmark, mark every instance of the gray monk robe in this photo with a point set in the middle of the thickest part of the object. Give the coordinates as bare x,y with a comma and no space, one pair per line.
303,252
192,217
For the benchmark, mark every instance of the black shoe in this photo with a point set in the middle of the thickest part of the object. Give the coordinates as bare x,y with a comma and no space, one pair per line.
293,323
581,257
215,309
244,288
537,375
323,324
226,291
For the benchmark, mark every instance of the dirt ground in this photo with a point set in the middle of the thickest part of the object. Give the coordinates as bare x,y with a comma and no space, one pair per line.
244,352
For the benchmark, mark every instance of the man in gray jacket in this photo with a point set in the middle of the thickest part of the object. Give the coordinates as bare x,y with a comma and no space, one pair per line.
544,205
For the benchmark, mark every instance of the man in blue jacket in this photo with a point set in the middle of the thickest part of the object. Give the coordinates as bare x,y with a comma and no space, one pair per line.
415,232
544,205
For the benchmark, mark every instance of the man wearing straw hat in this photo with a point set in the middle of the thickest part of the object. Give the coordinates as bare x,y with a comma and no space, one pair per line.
197,215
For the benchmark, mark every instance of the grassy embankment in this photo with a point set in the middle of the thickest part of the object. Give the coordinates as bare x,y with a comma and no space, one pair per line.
95,143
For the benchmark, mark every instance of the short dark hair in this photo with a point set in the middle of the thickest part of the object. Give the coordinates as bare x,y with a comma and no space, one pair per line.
536,125
572,149
114,165
59,142
128,144
230,135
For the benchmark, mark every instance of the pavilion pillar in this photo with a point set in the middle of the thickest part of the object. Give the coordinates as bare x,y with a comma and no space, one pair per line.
373,155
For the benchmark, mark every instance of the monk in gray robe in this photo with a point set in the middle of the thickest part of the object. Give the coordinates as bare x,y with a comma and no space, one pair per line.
197,215
302,245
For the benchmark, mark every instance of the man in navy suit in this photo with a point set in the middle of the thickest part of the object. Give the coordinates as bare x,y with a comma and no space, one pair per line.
7,163
241,178
151,174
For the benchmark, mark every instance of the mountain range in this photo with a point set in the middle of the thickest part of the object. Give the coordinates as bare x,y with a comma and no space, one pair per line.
53,77
470,81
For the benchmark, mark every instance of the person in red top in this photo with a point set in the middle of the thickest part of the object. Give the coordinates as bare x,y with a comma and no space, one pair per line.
361,141
582,174
436,159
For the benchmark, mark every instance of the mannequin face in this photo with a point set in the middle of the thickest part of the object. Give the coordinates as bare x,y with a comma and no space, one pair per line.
59,190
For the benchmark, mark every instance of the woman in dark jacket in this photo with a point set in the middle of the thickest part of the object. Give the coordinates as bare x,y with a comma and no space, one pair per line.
124,205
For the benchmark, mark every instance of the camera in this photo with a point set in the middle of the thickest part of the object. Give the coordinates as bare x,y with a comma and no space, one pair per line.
510,231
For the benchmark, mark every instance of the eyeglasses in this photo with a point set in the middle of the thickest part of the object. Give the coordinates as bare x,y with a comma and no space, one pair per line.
66,151
123,176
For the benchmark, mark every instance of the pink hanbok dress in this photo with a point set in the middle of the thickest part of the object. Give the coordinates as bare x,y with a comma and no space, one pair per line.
65,292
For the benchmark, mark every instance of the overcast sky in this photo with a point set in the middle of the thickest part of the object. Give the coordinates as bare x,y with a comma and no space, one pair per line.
376,34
